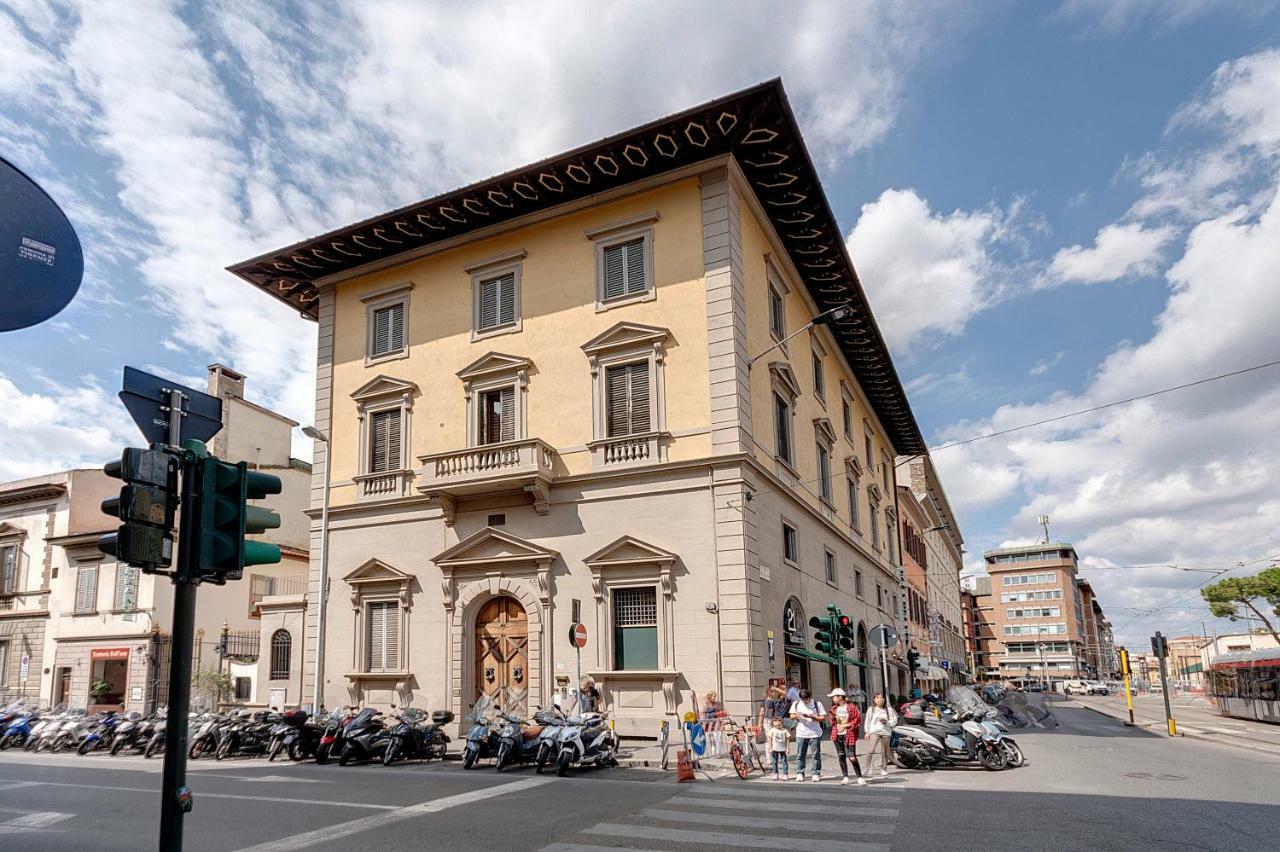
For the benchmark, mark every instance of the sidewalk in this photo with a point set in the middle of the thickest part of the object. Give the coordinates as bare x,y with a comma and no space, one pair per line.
1196,720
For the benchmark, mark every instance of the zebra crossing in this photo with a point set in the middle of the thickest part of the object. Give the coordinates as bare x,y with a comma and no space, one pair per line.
759,815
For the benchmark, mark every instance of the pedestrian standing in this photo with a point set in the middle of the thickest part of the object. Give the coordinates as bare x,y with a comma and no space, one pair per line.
845,721
880,722
778,736
810,716
588,696
793,691
774,706
712,722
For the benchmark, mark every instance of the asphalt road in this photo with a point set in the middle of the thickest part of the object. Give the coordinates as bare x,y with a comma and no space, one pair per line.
1091,784
1195,715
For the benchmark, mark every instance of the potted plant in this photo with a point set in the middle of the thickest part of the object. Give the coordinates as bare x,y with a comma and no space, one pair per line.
97,691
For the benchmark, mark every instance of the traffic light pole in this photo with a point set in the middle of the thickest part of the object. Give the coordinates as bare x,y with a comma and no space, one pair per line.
175,798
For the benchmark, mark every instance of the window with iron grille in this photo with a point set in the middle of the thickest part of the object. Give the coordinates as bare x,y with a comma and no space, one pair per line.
624,269
384,441
497,415
87,588
387,333
635,627
382,636
628,403
497,302
281,653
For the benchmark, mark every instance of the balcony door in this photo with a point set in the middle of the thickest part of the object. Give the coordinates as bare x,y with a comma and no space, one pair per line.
497,415
502,655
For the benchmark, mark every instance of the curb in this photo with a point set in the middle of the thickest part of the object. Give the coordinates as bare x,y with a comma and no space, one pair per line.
1222,739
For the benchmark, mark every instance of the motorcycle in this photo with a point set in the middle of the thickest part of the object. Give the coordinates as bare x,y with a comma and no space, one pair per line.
155,736
249,734
964,740
126,733
70,733
413,737
102,734
285,732
586,739
482,738
19,730
205,739
365,737
332,738
551,720
302,740
968,700
518,742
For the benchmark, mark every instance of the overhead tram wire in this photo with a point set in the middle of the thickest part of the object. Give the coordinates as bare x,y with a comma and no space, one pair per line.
871,468
1166,604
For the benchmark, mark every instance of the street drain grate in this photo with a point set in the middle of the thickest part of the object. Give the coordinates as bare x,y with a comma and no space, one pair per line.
1155,776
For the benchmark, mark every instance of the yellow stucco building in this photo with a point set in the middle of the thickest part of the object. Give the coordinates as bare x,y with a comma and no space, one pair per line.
562,395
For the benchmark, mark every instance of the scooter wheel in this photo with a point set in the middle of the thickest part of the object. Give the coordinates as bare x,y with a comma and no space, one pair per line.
345,757
389,756
5,742
152,748
992,759
56,746
116,746
224,750
85,747
562,764
276,746
500,763
322,753
469,758
295,751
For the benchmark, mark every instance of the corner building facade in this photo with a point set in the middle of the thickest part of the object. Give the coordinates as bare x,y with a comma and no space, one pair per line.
562,395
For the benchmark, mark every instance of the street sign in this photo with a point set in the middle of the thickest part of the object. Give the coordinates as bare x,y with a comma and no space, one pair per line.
698,739
578,635
24,668
946,664
41,264
147,399
883,636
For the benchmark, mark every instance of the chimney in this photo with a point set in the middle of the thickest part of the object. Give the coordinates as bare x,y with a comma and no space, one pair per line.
225,382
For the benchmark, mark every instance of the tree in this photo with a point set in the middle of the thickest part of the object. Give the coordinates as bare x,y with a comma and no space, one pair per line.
1226,597
212,685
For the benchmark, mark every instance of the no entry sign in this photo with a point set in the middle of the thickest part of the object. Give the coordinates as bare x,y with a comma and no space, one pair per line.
578,635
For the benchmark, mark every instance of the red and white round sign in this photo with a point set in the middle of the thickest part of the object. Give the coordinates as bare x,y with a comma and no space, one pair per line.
578,635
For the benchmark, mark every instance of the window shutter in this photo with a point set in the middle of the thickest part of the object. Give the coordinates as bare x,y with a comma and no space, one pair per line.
615,283
635,266
640,420
86,589
508,409
498,301
384,442
384,636
9,570
618,422
628,400
388,329
126,582
507,299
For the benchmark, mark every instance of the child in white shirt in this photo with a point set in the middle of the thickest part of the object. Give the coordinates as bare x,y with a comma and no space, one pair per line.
778,736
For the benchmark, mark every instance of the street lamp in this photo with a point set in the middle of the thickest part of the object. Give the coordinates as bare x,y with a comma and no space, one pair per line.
836,314
316,435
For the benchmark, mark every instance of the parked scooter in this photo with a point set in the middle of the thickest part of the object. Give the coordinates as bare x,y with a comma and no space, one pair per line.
205,739
518,742
586,740
156,735
333,737
552,719
302,740
963,738
48,722
482,738
101,734
413,737
70,733
18,731
365,737
126,733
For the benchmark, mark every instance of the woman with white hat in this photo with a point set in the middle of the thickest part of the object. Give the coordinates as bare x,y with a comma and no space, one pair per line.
845,721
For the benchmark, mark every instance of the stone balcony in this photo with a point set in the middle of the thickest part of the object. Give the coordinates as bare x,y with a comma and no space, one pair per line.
508,467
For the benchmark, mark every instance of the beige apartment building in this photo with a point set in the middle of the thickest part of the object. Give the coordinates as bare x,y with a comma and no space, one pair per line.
1036,612
574,393
70,616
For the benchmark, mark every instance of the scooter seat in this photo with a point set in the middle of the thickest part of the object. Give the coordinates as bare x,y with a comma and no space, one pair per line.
532,732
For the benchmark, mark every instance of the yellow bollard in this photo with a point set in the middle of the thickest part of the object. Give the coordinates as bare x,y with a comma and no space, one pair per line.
1173,728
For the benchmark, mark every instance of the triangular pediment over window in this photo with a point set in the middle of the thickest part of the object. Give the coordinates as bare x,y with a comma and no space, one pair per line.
784,378
822,428
854,466
494,364
629,551
384,386
377,571
10,531
491,546
625,335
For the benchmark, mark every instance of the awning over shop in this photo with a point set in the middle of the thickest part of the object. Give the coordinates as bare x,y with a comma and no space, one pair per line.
932,673
806,654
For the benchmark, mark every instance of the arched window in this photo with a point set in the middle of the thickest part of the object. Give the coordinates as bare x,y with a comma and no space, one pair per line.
281,651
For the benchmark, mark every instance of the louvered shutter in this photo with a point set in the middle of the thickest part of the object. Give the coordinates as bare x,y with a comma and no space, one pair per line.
618,422
628,400
635,266
384,636
126,587
86,589
624,272
384,442
388,329
639,401
8,569
508,414
377,628
507,299
498,301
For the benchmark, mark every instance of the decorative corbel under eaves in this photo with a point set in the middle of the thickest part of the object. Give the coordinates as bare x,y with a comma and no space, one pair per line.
448,508
541,496
448,589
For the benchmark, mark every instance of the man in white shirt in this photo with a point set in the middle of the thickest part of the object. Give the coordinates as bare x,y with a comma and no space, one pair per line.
809,715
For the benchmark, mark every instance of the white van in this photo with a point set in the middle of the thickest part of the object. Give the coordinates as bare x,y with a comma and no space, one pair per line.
1075,687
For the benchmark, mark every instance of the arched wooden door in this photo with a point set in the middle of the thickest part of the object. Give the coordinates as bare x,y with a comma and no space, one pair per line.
502,655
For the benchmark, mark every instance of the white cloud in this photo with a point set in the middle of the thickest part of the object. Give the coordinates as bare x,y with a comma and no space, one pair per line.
62,427
1116,17
927,273
1044,365
1118,251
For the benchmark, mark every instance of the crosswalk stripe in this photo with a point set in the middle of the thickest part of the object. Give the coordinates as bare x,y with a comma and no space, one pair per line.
826,795
831,826
579,847
748,841
789,807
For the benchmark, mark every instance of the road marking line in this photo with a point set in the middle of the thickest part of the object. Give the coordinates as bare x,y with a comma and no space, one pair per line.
751,841
736,804
199,795
834,826
807,794
578,847
356,826
14,785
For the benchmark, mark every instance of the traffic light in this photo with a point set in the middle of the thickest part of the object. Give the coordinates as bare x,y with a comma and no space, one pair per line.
225,518
824,637
146,506
844,632
1159,645
913,659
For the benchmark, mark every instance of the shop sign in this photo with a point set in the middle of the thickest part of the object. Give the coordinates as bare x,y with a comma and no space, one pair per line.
109,654
24,668
792,623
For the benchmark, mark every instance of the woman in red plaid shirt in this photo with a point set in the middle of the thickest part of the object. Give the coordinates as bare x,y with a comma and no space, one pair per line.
846,720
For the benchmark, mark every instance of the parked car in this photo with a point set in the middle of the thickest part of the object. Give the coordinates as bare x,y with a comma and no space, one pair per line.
1075,687
1095,687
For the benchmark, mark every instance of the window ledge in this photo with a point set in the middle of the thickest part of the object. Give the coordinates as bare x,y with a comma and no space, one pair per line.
647,296
401,675
497,331
791,563
82,613
371,360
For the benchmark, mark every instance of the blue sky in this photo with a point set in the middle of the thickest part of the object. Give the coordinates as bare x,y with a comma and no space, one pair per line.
1052,205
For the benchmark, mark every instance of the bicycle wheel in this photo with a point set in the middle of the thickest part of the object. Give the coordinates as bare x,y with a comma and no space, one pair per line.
740,764
755,755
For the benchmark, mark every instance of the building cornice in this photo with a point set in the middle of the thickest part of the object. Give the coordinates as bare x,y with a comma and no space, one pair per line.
31,493
755,127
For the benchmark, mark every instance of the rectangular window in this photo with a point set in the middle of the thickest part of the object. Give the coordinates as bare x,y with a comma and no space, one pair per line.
497,415
782,428
866,442
889,536
9,569
879,596
635,628
382,635
627,410
387,331
819,381
875,531
853,504
624,270
790,546
243,687
777,315
87,588
126,587
829,562
384,441
497,302
824,472
846,415
885,473
857,583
